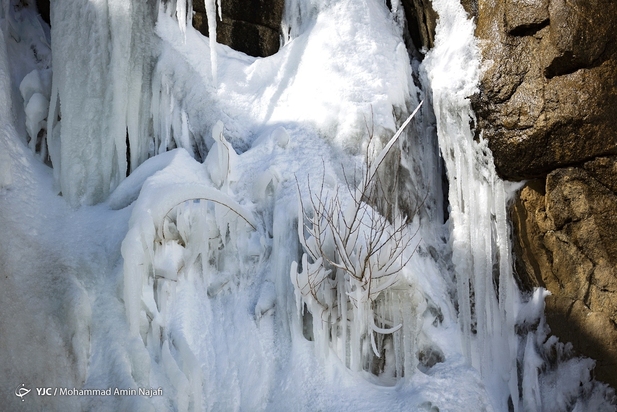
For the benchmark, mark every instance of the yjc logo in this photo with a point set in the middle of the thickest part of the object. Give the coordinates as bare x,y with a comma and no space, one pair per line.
22,391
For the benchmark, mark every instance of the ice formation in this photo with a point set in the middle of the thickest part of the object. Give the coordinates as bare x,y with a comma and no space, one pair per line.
100,96
480,236
262,235
211,6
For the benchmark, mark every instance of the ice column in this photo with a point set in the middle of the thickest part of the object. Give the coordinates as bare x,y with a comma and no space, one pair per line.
6,174
99,91
211,8
487,293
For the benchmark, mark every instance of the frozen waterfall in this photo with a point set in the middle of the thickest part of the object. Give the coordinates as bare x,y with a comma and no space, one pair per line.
267,233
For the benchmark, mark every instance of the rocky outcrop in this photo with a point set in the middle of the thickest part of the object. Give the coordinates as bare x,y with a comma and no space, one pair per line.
548,96
547,104
566,231
249,26
253,27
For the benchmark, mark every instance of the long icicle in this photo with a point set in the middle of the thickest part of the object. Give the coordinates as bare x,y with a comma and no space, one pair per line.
211,9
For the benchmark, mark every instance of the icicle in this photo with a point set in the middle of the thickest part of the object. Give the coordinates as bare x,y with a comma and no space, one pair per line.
185,136
532,402
211,15
343,313
181,12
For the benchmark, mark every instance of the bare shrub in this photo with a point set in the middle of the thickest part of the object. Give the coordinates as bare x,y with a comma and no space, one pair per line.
352,253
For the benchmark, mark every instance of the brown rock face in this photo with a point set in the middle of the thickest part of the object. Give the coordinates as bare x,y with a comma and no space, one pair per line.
249,26
566,232
547,105
548,96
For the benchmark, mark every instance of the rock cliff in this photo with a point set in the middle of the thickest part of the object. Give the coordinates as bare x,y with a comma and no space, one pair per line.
548,104
548,96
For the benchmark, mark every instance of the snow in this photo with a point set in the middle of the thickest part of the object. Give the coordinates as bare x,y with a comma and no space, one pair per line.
204,271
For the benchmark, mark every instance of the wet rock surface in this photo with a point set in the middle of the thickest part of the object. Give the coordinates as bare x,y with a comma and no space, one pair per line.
548,95
547,104
566,241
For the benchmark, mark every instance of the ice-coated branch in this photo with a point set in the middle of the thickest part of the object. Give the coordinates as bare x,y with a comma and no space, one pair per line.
382,155
352,255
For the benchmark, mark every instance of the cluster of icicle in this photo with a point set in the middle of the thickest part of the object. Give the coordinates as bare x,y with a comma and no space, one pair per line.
104,112
169,118
183,11
521,372
480,233
100,94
